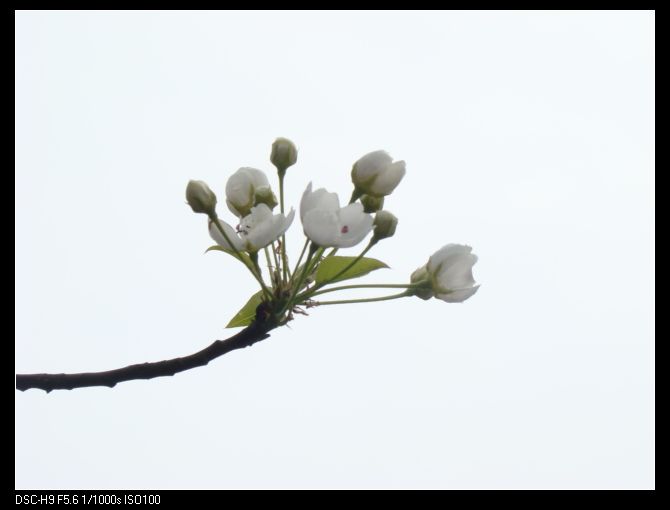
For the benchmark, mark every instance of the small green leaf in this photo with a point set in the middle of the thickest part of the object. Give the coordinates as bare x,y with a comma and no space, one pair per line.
331,267
216,247
248,312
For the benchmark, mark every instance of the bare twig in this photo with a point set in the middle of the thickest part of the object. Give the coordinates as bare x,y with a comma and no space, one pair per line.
256,332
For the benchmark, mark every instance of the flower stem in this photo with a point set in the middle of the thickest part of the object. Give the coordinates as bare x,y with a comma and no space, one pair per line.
281,193
359,286
276,256
306,268
299,280
215,219
238,255
365,300
254,258
302,254
269,263
284,258
349,266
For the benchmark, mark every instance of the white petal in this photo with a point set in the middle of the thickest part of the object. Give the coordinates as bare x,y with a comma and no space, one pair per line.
257,177
238,184
264,228
319,199
458,296
370,165
241,188
288,220
449,250
261,235
457,272
322,227
232,208
326,201
280,224
239,192
354,225
388,180
259,214
306,202
352,213
355,234
215,234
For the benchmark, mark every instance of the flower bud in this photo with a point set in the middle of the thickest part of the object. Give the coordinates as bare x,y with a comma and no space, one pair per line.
450,270
377,174
447,276
385,224
243,188
200,197
284,154
372,204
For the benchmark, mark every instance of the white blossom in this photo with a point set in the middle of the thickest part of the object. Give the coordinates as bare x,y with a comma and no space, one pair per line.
326,224
376,174
246,188
255,231
448,274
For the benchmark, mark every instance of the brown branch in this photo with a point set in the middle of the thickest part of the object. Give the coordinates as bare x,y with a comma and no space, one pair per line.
256,332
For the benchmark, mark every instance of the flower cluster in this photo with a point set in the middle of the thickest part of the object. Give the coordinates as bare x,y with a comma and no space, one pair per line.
326,224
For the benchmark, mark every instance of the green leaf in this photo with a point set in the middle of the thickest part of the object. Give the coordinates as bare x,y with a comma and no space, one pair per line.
248,312
331,267
216,247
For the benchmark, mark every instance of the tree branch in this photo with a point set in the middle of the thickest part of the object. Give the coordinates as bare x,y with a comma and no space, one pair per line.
255,332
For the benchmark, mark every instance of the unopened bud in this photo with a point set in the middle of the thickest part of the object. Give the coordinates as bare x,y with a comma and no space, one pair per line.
243,187
284,154
200,197
385,224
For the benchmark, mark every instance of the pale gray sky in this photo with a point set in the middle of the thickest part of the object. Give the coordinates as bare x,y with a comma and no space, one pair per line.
529,136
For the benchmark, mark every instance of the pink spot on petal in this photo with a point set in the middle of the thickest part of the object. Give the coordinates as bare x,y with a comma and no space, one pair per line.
345,229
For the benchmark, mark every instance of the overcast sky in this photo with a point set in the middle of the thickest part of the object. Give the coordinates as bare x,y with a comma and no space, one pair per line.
529,136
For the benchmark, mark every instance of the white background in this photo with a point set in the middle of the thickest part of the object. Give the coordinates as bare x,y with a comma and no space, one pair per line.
529,136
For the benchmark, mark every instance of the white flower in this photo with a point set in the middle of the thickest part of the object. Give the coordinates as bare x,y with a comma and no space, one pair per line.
255,231
448,274
326,224
376,174
246,188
